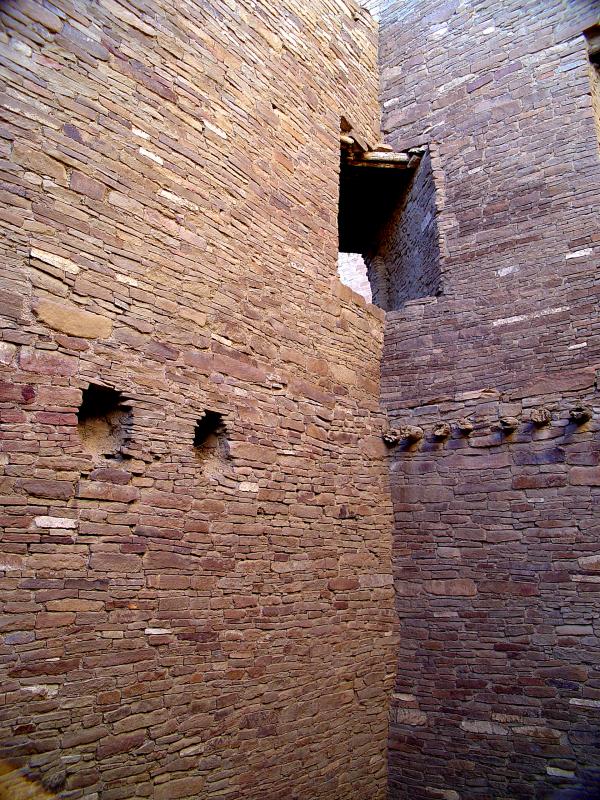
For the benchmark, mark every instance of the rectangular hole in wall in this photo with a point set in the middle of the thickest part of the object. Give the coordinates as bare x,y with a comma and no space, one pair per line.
388,236
104,421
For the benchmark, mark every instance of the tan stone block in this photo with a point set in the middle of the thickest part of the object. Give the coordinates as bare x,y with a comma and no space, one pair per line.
53,490
36,161
115,562
541,732
59,262
110,492
72,320
56,561
253,452
54,619
180,787
585,476
199,317
74,604
39,13
484,727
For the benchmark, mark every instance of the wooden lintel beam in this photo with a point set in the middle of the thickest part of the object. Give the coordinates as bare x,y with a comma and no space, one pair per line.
378,164
386,160
385,157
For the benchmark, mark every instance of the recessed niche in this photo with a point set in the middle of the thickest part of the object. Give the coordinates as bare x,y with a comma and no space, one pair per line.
104,421
210,441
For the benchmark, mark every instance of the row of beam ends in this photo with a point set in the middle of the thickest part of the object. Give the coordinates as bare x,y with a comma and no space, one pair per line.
579,414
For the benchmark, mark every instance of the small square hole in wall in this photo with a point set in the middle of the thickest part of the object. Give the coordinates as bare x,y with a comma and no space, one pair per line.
104,421
210,439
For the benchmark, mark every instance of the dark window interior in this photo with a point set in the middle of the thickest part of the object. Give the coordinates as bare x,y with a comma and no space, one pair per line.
209,428
387,214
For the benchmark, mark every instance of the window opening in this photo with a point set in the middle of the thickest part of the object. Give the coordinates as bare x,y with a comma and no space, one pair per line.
104,421
388,236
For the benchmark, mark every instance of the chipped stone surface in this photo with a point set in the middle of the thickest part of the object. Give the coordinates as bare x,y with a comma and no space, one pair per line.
408,716
590,563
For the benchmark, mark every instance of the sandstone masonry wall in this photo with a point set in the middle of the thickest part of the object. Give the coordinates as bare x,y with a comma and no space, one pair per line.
496,545
405,264
182,623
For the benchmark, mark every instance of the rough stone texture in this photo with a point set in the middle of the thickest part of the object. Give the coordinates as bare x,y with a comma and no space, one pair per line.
505,672
70,320
594,70
172,630
405,262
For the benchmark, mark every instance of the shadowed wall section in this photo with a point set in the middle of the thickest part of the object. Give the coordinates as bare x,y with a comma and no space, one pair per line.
404,262
190,609
496,545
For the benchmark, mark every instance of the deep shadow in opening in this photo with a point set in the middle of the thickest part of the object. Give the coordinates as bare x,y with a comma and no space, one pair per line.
211,444
210,433
104,421
387,215
209,427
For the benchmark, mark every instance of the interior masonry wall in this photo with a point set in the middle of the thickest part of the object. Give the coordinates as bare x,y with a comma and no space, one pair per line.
496,547
595,90
181,621
404,263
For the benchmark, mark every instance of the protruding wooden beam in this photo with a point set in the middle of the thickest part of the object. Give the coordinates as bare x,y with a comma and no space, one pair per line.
386,157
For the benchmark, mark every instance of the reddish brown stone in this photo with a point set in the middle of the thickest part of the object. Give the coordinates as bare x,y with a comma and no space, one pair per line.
54,490
457,587
99,490
113,745
85,185
114,562
584,476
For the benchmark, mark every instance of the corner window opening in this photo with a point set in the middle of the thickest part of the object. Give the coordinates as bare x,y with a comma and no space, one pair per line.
104,421
388,236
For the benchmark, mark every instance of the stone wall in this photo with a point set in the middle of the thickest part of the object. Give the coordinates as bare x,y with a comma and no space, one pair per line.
184,621
405,262
594,70
496,554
